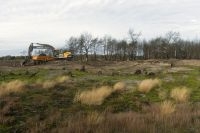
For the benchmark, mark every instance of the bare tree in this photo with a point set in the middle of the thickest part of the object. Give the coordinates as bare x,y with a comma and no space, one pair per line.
73,45
86,42
104,42
172,38
95,46
132,46
169,46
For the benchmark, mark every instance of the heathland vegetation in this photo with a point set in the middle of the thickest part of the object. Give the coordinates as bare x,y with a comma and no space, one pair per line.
108,96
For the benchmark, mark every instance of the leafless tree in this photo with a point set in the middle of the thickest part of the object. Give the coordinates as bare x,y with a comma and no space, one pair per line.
132,46
172,39
86,42
169,46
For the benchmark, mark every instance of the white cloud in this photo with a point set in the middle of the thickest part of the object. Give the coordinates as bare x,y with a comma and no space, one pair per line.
53,21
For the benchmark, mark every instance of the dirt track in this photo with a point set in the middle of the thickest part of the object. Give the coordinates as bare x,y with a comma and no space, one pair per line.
125,66
108,65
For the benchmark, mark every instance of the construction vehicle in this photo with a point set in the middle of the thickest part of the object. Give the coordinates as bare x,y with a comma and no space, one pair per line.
41,53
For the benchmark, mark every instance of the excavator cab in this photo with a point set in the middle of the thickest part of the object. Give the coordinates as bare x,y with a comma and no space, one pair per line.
63,54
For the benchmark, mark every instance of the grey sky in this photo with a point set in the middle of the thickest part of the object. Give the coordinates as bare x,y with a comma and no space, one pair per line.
53,21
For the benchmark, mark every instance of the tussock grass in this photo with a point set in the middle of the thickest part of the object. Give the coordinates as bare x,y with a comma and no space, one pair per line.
95,118
97,96
146,85
167,107
94,96
52,83
49,84
62,79
15,86
180,94
119,86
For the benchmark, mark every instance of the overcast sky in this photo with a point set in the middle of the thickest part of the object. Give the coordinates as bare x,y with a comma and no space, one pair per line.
54,21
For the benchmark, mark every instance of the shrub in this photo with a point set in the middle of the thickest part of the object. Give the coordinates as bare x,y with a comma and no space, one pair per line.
180,94
146,85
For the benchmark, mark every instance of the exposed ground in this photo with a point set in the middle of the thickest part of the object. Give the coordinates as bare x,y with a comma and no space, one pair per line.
139,96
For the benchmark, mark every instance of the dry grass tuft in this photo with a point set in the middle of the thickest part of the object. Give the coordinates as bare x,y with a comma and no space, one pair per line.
167,107
180,94
95,96
95,118
62,79
52,83
148,84
15,86
48,84
119,86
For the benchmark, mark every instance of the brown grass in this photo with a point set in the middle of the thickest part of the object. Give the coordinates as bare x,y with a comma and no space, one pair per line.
52,83
94,96
146,85
10,105
49,84
167,107
97,96
15,86
181,120
95,118
180,94
119,86
188,63
62,79
35,125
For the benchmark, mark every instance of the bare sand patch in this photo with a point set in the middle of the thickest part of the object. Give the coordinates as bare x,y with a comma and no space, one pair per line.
179,69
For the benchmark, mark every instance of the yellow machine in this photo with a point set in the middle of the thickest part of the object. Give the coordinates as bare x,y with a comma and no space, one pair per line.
60,54
41,53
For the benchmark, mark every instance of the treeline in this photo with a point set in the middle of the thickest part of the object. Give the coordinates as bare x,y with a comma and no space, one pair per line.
9,57
171,45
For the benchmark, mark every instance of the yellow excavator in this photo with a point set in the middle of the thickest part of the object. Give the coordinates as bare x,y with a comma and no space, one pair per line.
41,53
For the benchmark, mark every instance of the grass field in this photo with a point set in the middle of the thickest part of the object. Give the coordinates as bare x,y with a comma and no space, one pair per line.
108,97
